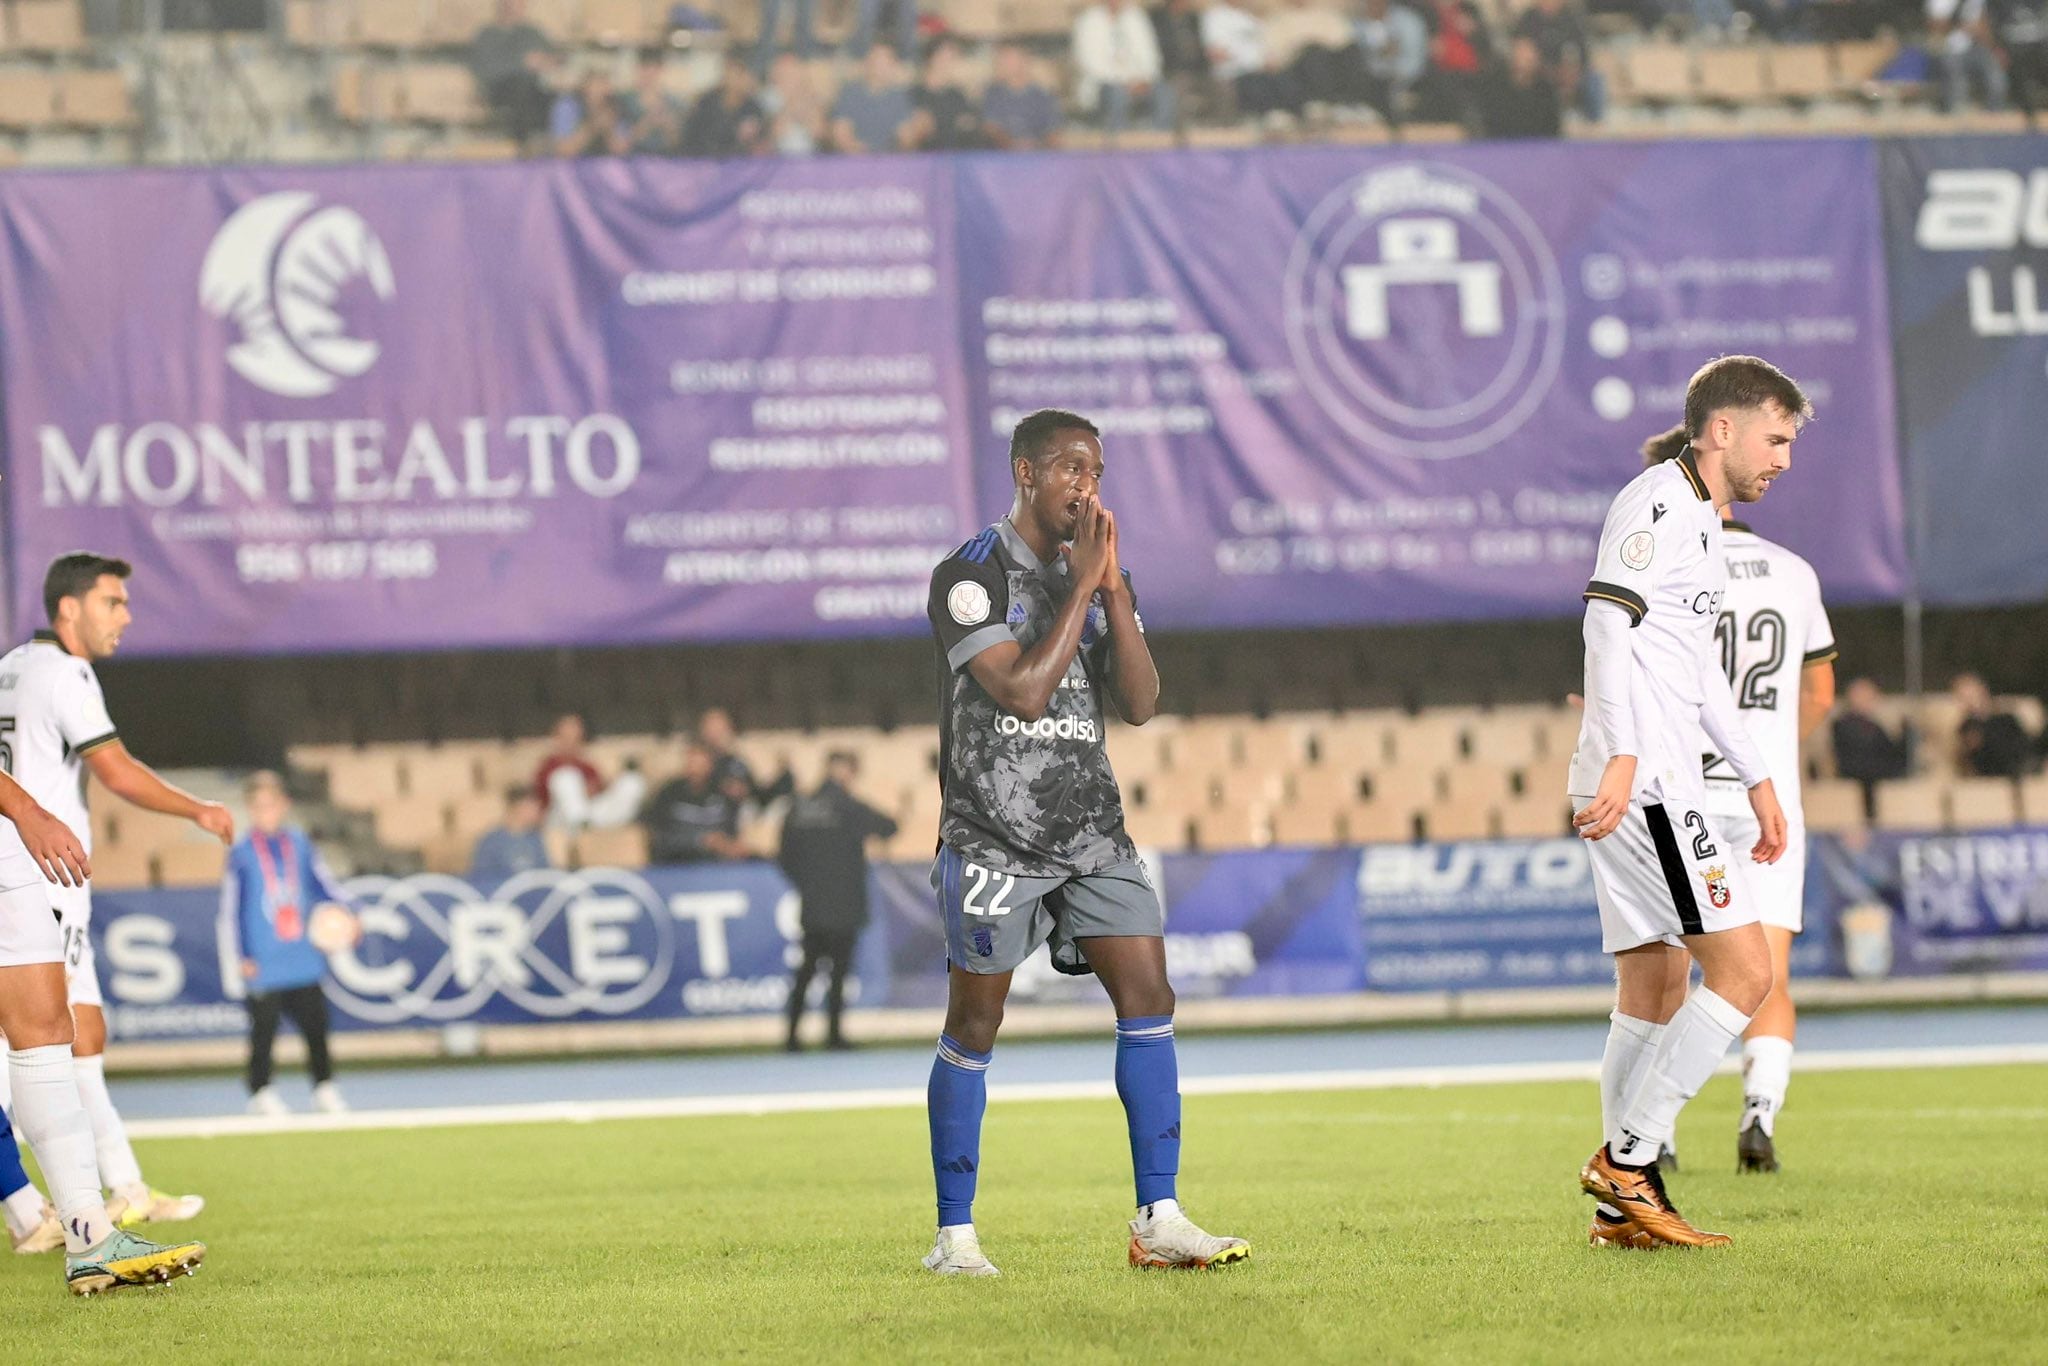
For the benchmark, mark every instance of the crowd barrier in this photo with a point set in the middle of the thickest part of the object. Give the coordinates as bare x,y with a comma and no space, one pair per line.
702,943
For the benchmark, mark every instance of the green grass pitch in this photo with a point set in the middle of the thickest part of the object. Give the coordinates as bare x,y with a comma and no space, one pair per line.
1911,1224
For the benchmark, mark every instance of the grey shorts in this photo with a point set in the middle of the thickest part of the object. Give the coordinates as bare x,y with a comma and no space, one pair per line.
995,920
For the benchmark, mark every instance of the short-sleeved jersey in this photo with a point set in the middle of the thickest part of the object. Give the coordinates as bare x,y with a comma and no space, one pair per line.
1772,625
52,714
1031,798
1660,560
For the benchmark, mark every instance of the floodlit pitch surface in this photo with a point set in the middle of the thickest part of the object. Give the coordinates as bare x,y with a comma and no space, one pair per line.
1418,1224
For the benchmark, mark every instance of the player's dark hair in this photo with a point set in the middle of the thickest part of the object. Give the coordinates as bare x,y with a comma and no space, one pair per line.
1032,438
73,575
1741,382
1665,446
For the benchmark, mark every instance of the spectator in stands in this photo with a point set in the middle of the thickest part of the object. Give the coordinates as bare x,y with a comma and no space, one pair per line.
799,124
1017,110
1865,751
1989,743
589,121
947,118
824,856
729,772
1314,46
1117,67
691,819
727,120
1394,43
874,112
1965,54
573,795
802,37
274,882
1461,63
2023,34
1560,38
653,115
514,847
868,20
509,60
1517,102
1184,55
1236,42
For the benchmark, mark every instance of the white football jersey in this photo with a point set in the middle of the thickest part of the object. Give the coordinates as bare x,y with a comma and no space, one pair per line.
52,714
1772,625
1660,558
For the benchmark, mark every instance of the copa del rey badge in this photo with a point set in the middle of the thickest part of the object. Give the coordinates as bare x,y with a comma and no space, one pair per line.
968,602
1717,888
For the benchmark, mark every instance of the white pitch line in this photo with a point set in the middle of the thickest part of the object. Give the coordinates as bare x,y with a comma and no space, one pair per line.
904,1097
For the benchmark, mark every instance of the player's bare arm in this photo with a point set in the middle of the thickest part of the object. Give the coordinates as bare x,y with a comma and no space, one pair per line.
56,850
135,782
1133,677
1023,681
1599,817
1770,822
1816,695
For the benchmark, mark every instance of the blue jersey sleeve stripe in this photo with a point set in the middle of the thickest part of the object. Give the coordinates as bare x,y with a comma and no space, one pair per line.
978,549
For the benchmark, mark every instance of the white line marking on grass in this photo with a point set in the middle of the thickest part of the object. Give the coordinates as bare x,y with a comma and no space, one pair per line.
903,1097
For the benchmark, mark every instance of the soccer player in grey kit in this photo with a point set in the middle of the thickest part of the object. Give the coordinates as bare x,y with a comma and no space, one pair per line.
1036,619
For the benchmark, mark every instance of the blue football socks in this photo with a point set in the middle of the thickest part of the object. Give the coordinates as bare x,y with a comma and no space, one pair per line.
12,1176
955,1099
1148,1083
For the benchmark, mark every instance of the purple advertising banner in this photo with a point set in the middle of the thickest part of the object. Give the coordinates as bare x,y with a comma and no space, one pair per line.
1399,383
408,407
421,407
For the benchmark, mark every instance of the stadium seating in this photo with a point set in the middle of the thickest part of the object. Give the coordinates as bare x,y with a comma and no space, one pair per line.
386,78
1221,782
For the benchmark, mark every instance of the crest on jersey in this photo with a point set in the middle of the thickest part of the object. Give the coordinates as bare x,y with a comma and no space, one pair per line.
1637,550
968,603
1717,888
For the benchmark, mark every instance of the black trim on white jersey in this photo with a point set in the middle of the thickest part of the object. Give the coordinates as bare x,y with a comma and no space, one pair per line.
1689,465
1622,597
1675,871
1822,655
1730,524
97,741
50,638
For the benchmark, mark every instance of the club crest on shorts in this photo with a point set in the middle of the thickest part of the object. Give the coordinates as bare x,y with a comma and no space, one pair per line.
984,940
1717,888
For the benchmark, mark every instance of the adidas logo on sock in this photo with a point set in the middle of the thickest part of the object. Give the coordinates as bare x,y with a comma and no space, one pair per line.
962,1165
1173,1133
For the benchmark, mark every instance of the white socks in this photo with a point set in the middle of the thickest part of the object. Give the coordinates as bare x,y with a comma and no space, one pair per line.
118,1167
1630,1042
1692,1047
50,1116
1766,1072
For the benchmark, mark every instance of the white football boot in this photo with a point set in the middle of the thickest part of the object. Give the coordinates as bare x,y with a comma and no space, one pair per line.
327,1099
958,1253
1162,1236
46,1236
268,1102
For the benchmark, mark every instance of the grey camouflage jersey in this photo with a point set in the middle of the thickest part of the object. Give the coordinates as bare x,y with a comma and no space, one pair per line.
1036,799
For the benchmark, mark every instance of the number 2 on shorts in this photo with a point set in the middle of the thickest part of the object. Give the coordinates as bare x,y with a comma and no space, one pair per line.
984,880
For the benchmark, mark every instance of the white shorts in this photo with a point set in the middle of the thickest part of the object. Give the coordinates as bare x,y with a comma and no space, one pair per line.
1780,888
81,970
1665,871
29,932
